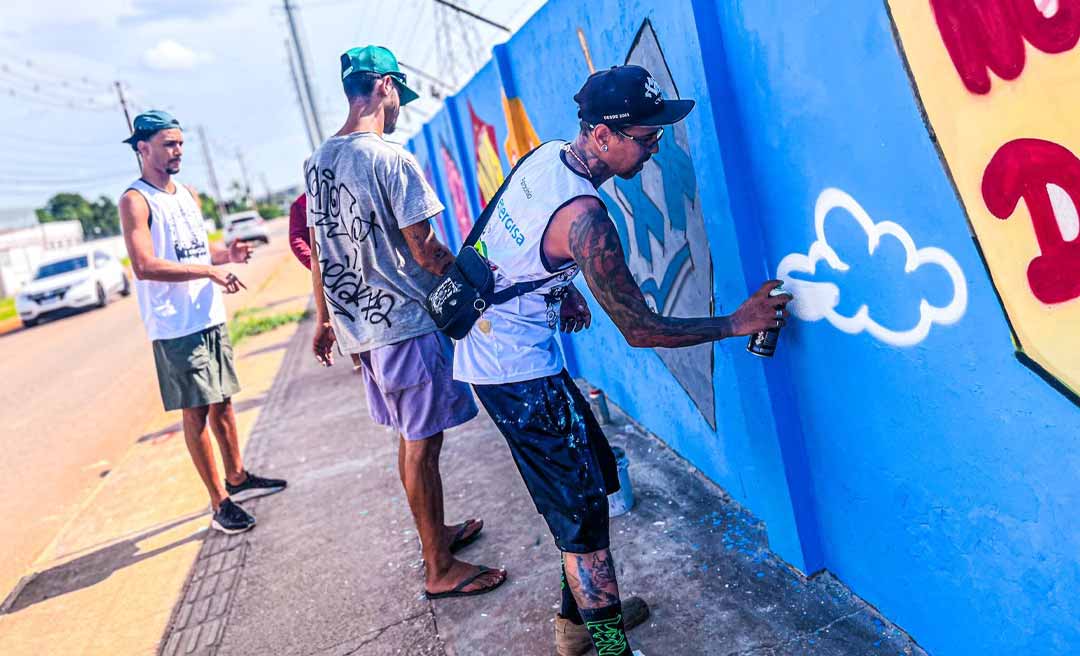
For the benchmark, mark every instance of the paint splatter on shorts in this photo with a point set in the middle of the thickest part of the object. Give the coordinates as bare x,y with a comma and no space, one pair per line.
562,454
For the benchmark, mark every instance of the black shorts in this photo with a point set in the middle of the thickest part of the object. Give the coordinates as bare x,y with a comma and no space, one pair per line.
562,454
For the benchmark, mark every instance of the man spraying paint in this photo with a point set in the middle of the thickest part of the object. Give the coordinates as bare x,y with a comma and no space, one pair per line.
552,224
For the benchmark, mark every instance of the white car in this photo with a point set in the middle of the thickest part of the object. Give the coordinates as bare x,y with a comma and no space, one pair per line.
74,281
245,226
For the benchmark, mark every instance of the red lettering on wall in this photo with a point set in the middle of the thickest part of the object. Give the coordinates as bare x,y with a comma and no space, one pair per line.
989,35
1022,169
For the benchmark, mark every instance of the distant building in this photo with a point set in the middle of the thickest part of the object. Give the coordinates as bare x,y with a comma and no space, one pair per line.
24,242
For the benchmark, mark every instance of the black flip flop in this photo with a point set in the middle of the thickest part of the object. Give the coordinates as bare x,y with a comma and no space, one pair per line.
458,589
460,543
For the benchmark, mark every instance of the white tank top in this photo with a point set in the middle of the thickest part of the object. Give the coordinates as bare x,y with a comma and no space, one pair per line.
518,340
178,234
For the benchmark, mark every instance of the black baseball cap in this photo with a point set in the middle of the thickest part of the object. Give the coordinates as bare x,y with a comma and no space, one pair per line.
628,95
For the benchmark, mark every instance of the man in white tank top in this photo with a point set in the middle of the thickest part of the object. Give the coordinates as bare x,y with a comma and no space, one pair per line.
177,279
548,224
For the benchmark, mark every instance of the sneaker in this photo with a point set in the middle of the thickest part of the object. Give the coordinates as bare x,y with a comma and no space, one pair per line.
231,518
254,486
573,639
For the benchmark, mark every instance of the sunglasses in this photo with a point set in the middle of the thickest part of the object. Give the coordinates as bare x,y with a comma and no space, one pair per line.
646,141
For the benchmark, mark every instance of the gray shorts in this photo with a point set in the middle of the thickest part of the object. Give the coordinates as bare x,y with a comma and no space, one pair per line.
196,370
411,387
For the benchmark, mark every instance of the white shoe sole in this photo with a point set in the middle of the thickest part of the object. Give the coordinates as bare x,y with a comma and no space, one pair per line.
254,493
229,531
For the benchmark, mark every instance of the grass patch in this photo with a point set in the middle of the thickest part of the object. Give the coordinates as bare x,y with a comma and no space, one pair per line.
7,308
248,323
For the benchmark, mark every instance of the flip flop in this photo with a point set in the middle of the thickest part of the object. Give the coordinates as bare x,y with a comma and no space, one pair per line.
460,541
458,590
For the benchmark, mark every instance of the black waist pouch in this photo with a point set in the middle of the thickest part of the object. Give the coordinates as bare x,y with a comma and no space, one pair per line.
462,294
465,291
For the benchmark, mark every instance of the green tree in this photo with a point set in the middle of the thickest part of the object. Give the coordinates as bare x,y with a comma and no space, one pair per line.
98,219
210,209
270,210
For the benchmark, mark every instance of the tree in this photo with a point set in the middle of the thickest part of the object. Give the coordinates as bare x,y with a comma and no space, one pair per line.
209,209
270,210
98,219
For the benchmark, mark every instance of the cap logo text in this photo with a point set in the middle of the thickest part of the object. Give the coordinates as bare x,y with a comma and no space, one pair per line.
652,90
613,117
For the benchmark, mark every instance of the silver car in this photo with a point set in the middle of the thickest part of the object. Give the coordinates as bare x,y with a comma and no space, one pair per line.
74,281
245,226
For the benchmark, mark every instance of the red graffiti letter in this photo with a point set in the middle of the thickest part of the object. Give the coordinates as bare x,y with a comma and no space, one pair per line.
990,34
1022,169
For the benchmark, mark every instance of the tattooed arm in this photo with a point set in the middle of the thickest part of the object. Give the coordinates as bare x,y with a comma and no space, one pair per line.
426,248
588,236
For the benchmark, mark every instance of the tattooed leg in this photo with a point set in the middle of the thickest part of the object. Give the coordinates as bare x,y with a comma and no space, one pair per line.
592,580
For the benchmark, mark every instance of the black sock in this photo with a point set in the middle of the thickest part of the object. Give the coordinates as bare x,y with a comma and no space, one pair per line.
606,629
569,604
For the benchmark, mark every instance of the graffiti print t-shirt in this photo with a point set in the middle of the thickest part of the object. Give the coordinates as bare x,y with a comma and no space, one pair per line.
361,192
518,340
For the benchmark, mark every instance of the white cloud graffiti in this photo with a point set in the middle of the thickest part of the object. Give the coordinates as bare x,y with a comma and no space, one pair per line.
818,300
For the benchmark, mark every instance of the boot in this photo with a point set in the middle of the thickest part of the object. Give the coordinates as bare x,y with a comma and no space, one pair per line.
573,639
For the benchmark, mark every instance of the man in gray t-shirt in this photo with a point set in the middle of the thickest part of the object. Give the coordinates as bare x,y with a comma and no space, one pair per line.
362,192
375,257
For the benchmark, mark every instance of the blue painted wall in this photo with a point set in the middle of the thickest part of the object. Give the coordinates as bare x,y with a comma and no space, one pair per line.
939,480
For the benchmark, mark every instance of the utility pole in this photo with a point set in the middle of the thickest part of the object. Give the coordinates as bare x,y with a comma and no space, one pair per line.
300,96
211,174
127,117
303,70
243,173
266,186
468,13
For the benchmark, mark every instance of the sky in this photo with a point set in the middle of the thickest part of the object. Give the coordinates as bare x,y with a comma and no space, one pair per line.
218,64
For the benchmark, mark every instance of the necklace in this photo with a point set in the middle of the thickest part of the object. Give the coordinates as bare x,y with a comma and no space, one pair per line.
568,148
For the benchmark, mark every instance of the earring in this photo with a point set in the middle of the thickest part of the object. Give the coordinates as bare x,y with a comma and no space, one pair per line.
603,147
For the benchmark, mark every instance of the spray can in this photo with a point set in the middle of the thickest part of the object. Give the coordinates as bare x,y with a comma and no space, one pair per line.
599,403
763,343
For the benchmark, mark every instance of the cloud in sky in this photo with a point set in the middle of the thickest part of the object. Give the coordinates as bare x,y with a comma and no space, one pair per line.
816,300
169,55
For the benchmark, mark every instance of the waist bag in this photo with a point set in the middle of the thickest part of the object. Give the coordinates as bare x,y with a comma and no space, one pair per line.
467,289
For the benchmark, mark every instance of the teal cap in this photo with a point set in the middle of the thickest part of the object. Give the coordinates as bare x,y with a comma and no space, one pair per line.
379,60
147,123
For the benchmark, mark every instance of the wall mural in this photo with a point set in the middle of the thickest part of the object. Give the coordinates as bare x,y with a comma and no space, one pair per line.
658,215
1009,68
489,173
456,188
817,299
436,221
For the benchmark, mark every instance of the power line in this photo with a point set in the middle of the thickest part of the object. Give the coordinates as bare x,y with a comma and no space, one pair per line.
29,69
474,15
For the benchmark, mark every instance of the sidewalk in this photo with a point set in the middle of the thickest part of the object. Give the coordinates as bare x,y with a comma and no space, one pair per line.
109,581
333,567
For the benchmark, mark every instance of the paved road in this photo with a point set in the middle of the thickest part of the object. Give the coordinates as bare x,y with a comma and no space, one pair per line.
77,393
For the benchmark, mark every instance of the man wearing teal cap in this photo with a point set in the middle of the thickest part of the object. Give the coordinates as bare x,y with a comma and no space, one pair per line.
179,278
368,212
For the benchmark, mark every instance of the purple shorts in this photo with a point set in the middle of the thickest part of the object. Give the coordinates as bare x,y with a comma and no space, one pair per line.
411,388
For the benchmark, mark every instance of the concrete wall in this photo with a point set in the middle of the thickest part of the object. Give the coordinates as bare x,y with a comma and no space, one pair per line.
917,433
